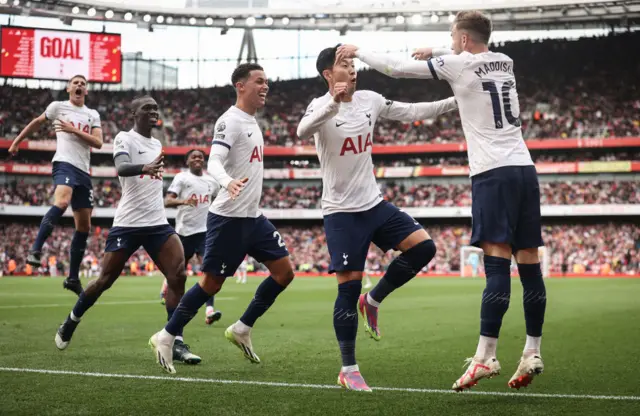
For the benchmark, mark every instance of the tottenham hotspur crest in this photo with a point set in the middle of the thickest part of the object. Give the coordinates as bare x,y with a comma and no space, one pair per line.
224,266
119,239
345,256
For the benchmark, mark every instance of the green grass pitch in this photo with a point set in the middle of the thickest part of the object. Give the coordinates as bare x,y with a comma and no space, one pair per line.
591,347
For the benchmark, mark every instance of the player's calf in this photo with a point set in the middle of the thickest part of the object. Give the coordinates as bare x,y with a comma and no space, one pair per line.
49,221
534,299
403,268
85,301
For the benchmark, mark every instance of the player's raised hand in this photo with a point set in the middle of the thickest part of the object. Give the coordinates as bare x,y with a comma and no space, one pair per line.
65,126
13,149
340,91
155,168
236,186
422,54
346,52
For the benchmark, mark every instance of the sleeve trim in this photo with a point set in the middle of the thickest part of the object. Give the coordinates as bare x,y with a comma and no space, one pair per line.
433,70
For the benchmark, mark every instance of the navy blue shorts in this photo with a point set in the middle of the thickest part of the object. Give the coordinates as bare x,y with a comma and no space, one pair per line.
505,207
349,234
66,174
230,239
193,244
131,238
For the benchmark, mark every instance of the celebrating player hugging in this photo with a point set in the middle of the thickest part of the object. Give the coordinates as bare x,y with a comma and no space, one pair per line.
235,225
77,131
192,192
506,194
140,220
342,124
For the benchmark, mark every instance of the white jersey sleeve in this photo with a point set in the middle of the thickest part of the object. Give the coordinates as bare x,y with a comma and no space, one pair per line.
446,67
176,185
314,118
95,120
396,110
223,139
52,110
120,145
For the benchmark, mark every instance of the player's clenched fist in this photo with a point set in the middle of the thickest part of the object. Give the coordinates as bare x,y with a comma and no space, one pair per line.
340,91
235,186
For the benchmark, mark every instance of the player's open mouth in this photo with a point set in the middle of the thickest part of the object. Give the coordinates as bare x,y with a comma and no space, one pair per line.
262,95
78,92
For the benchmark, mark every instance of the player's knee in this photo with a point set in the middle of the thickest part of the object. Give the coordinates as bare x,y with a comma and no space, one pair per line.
527,256
211,283
420,255
104,282
285,277
62,203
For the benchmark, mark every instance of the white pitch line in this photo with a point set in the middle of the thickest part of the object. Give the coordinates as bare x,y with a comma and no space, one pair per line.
127,302
316,386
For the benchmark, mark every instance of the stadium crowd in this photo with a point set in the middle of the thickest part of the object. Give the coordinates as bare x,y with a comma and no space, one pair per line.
566,99
594,248
282,196
454,159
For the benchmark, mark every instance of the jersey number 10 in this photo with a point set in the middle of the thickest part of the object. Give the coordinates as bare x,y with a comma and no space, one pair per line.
506,103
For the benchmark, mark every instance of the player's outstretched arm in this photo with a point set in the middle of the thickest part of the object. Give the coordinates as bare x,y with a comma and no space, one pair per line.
94,139
314,118
395,110
423,54
33,126
395,68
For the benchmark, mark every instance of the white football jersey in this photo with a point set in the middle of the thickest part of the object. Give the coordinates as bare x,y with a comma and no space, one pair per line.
238,144
70,148
192,220
343,134
142,204
485,87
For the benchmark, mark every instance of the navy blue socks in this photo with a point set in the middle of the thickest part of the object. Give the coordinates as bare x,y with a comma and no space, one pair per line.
265,295
186,310
534,297
49,221
78,247
345,320
496,295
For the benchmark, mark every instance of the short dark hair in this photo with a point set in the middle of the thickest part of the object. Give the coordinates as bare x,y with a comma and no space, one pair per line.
77,76
134,103
477,24
186,157
326,60
243,71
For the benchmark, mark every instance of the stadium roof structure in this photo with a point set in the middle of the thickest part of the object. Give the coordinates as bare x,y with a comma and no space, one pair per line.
359,15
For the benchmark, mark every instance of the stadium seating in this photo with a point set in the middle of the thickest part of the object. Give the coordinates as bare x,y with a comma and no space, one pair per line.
582,247
565,99
578,192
